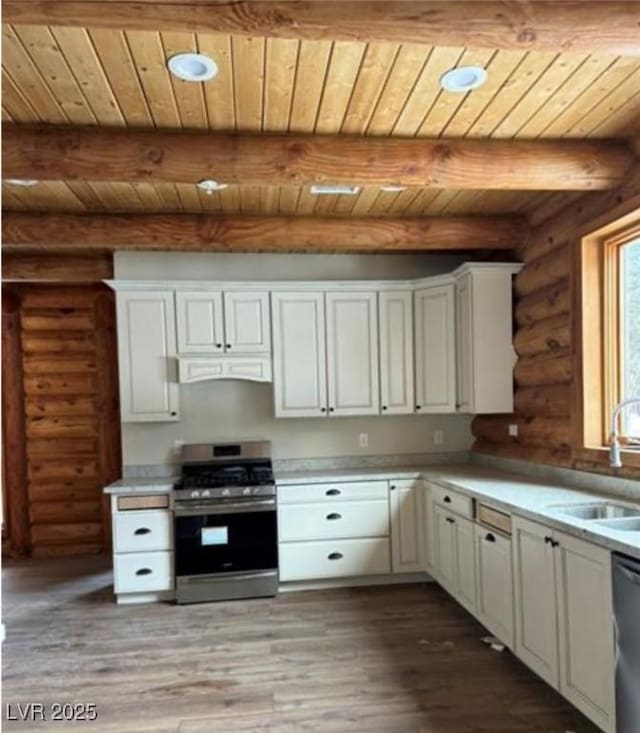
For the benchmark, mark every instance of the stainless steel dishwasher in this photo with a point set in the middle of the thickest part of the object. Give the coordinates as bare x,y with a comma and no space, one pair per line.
626,607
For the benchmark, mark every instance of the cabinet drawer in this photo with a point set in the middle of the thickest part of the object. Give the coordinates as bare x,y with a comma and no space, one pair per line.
148,501
493,518
330,519
334,559
142,572
452,500
142,531
345,491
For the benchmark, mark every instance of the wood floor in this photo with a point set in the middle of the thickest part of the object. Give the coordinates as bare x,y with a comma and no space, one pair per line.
402,659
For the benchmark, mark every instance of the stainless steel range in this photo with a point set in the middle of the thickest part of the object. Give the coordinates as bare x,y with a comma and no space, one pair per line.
226,534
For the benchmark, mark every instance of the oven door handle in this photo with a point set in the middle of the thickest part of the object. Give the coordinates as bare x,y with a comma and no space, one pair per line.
198,510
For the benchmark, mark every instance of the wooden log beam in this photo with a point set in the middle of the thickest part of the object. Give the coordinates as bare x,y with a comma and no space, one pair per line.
198,233
543,272
94,153
549,335
554,25
550,367
544,303
42,267
534,431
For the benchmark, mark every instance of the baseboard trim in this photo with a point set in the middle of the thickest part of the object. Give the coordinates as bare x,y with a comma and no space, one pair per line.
355,582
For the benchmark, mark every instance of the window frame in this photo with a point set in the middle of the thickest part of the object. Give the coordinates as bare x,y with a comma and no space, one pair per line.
597,356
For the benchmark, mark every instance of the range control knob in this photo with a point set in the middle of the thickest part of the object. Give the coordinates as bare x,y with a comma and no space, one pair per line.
225,492
246,491
205,493
195,494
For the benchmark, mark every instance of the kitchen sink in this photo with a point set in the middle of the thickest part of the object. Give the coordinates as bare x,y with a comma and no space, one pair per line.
601,510
623,524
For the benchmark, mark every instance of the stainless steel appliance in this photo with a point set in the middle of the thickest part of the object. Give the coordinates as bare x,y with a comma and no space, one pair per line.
226,535
626,608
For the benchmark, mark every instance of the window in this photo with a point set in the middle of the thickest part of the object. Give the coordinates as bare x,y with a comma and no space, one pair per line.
607,292
629,319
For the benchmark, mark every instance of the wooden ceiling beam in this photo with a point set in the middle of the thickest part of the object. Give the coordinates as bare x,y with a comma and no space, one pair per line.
107,154
597,26
198,233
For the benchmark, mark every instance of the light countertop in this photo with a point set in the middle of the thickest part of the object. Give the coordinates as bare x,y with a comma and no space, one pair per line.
142,485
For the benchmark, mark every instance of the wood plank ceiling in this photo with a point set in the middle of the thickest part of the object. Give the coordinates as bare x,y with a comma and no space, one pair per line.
91,76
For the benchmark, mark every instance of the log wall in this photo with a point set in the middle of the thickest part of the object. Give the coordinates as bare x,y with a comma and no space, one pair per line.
71,426
545,396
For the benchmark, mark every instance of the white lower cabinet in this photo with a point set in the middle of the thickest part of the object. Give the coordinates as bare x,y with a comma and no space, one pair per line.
494,601
455,556
536,628
143,567
585,627
564,616
408,553
334,558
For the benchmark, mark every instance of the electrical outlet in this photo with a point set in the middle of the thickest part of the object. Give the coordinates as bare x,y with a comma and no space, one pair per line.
513,430
364,440
438,437
177,446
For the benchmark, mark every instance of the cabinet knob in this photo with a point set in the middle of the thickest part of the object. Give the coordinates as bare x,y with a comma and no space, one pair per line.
333,516
173,414
489,537
323,409
331,409
384,407
335,556
447,500
218,346
142,530
144,571
418,407
332,492
548,541
228,346
393,488
451,520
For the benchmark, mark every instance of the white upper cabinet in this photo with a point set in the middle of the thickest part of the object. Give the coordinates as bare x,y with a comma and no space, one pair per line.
396,351
199,322
299,354
352,353
147,356
484,324
408,553
435,349
204,326
246,322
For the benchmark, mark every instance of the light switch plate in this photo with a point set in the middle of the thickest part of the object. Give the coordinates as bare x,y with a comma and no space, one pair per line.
438,437
364,440
513,430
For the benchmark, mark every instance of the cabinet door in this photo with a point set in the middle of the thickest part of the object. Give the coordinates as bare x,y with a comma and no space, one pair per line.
396,352
246,322
435,349
199,322
494,583
352,353
407,535
585,627
536,627
429,529
464,344
147,356
445,548
299,354
465,563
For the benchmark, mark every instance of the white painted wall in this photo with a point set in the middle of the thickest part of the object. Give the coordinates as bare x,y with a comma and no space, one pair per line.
235,410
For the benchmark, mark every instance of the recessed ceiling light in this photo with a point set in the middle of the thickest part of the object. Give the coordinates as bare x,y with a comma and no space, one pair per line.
393,188
463,79
192,67
26,182
328,189
209,185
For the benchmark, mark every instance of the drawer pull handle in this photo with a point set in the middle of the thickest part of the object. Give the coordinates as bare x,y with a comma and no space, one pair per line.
335,556
333,492
144,571
489,537
142,530
334,515
451,520
447,500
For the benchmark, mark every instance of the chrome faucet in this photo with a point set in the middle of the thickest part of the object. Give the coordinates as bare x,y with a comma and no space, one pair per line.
615,459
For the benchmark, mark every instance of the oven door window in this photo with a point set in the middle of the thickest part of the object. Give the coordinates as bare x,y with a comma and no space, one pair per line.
223,543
